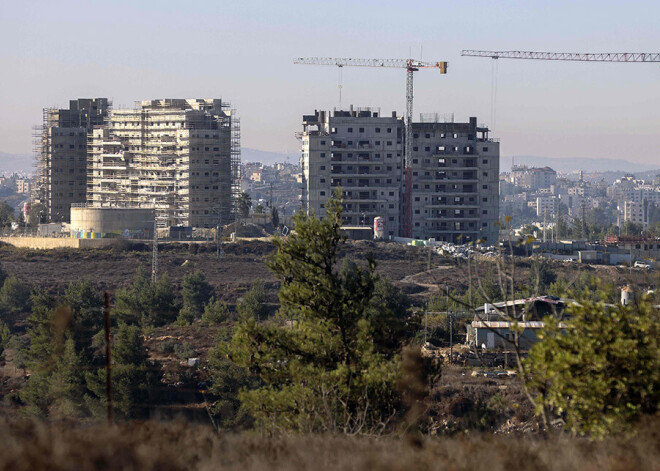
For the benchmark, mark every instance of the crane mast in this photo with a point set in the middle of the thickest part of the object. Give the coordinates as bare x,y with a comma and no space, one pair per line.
411,66
567,56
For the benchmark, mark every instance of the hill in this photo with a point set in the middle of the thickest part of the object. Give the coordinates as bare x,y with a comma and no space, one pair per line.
10,163
574,164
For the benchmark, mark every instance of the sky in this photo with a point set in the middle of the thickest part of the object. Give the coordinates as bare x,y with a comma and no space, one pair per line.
242,51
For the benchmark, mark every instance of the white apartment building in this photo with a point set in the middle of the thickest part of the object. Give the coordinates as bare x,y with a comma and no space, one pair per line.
636,212
547,206
533,178
180,156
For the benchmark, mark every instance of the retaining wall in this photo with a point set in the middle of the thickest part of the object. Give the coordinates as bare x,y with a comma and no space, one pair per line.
45,243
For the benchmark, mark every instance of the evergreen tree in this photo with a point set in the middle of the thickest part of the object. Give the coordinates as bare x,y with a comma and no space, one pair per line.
4,338
244,204
14,299
215,312
146,303
196,292
329,362
252,304
67,384
134,377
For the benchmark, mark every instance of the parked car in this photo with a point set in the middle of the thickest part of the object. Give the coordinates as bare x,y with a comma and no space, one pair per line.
642,264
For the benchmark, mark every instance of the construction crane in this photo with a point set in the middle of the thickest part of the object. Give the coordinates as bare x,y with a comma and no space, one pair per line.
411,66
567,56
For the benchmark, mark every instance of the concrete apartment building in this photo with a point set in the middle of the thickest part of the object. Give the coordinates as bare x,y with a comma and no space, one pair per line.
360,151
61,148
455,173
533,178
636,212
455,182
181,156
547,206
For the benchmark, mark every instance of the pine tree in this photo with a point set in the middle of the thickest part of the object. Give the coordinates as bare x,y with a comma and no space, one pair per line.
196,292
134,377
329,362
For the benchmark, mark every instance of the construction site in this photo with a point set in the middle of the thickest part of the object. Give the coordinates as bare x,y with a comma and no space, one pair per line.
177,157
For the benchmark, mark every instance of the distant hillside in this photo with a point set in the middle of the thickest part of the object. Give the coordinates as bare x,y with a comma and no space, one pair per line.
10,163
267,157
572,164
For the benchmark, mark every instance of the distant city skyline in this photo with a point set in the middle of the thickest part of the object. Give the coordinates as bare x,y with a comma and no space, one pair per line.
243,52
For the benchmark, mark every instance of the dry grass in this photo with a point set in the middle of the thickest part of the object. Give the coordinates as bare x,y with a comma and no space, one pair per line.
28,445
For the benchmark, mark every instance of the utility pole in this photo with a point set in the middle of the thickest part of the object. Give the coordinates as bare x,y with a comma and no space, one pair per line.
218,236
108,360
451,338
426,321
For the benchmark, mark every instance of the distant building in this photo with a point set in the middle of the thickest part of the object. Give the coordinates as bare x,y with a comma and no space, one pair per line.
547,206
455,177
361,152
177,155
636,212
61,145
23,185
533,178
454,173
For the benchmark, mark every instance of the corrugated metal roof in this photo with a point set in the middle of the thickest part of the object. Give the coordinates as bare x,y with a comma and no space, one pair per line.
507,325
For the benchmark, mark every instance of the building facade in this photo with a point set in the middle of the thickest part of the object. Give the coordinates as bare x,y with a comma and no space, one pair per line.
454,167
61,148
179,156
361,152
533,178
455,182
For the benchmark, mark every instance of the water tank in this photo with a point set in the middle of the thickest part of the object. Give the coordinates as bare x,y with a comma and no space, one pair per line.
379,227
626,295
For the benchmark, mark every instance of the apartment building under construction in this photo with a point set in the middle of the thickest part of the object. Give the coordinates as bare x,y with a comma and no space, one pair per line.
179,156
61,149
454,173
360,151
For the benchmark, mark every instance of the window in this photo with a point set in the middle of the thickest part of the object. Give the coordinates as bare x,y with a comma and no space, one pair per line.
485,174
415,148
427,149
323,154
322,193
485,211
485,187
350,129
377,129
485,161
361,130
484,200
322,167
389,130
389,143
427,135
484,149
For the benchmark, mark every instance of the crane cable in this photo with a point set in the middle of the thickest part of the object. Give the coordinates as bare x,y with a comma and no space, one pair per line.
493,93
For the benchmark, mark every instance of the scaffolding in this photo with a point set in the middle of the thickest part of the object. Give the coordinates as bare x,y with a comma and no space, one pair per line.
177,156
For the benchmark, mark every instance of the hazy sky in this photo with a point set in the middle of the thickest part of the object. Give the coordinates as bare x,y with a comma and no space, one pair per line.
242,51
